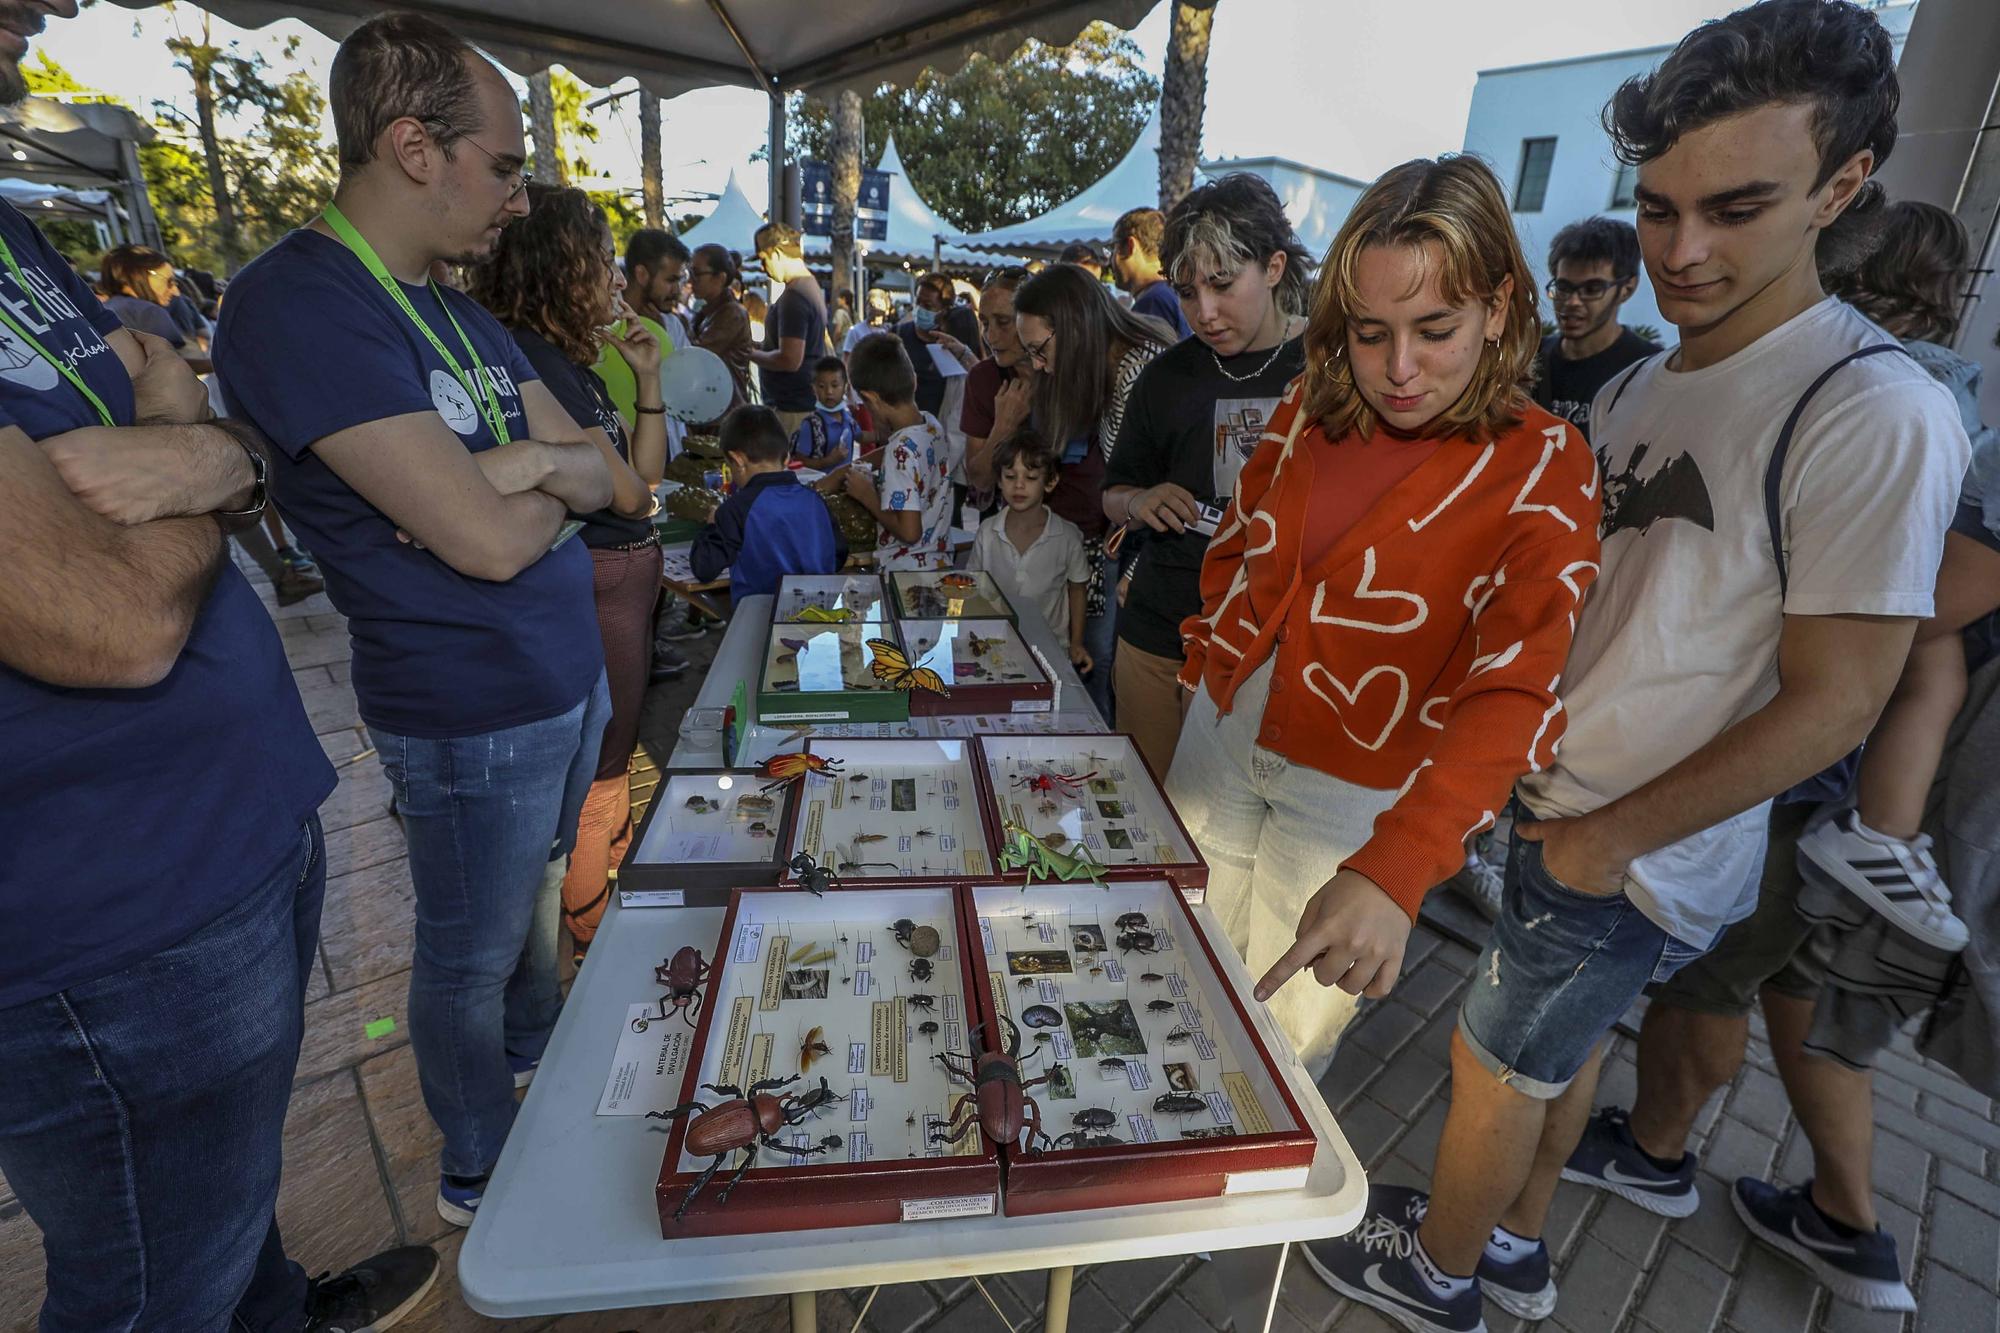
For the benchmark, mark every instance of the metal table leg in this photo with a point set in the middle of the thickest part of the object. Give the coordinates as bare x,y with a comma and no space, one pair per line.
1250,1281
1057,1318
805,1312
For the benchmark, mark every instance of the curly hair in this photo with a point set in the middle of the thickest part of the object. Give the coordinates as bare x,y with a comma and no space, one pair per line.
1456,204
1910,284
548,272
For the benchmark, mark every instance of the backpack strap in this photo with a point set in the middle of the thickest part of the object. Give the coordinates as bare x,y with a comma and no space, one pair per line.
1637,366
1774,472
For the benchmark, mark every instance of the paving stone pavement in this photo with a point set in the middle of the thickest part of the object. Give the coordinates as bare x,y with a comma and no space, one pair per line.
1620,1270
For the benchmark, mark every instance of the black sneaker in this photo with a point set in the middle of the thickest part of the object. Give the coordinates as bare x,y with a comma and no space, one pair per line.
1371,1266
1861,1268
1607,1158
1523,1287
667,663
676,628
373,1295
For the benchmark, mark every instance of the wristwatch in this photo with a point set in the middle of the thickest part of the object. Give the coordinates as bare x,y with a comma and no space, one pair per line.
260,488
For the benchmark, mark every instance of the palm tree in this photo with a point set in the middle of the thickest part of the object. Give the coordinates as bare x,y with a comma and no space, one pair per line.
650,185
1182,96
542,126
845,168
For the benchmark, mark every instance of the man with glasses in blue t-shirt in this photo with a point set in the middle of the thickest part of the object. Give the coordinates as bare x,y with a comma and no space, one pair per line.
431,473
161,867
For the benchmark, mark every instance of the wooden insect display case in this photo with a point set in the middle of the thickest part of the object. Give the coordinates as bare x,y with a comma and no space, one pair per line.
1150,1081
1077,806
832,599
879,812
707,831
948,594
822,1016
823,673
984,665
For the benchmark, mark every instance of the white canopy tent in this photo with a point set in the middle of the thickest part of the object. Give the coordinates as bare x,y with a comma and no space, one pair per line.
914,227
1133,183
676,46
732,223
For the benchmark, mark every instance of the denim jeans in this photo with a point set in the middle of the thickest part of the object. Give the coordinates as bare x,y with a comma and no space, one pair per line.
142,1118
490,821
1562,966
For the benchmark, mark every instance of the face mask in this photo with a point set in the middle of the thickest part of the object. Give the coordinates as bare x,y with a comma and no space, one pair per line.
925,319
831,411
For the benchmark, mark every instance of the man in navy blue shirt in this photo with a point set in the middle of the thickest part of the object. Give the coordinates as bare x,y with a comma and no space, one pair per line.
430,471
1135,262
161,867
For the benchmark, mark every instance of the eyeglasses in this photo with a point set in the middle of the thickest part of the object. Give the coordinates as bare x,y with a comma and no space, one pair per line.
522,179
1593,290
1013,274
1038,351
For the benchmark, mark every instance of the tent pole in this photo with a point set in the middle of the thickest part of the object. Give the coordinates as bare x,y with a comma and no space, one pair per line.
775,211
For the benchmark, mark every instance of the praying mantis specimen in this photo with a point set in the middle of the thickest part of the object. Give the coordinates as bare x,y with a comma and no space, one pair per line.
1024,851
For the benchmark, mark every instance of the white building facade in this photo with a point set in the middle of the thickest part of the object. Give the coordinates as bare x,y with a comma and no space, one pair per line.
1538,126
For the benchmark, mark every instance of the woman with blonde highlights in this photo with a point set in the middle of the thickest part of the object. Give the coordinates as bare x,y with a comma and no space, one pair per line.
1388,601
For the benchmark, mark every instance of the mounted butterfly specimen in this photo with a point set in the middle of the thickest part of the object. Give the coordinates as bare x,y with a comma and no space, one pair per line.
896,670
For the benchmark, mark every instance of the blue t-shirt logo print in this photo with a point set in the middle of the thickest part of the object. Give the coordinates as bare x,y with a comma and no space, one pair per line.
453,403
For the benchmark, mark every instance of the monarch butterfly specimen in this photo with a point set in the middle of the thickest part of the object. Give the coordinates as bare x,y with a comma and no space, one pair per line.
890,665
783,768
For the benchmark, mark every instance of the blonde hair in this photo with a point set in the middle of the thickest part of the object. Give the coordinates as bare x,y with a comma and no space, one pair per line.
1455,203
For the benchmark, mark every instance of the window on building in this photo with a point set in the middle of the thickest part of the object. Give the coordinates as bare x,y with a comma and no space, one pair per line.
1621,186
1537,156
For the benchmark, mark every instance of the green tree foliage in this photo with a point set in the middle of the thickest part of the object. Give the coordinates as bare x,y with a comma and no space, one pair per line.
1052,119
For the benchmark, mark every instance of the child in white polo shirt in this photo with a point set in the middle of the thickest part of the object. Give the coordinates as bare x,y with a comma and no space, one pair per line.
1034,555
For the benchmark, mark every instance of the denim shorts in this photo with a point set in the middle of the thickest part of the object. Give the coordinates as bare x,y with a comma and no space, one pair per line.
1561,967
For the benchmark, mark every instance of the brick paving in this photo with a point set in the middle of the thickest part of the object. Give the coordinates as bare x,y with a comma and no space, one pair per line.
361,1154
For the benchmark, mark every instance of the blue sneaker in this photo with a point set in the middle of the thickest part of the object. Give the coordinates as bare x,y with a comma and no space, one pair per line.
1523,1288
1862,1269
523,1068
1372,1265
458,1198
1607,1158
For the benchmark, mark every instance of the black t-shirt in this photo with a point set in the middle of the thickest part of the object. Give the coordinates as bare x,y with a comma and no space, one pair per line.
930,383
1189,423
793,315
584,397
1566,388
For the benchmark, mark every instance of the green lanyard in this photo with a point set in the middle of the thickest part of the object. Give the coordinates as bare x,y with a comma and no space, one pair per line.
62,366
489,404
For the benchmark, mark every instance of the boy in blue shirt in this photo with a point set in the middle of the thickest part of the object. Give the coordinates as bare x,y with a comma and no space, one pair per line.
771,525
830,435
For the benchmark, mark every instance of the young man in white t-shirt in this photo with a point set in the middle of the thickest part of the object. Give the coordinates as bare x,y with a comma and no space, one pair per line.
1699,685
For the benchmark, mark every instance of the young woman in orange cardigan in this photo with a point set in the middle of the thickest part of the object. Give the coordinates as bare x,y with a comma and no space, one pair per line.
1388,602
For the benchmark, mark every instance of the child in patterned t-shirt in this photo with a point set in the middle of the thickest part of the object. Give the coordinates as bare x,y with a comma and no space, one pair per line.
912,501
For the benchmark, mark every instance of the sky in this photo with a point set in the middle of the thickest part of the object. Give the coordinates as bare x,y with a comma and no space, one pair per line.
1351,86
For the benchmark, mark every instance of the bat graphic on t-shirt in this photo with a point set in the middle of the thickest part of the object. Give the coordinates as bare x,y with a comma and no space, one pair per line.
1675,490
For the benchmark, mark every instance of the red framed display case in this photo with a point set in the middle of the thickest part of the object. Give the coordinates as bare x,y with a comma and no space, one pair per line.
1094,790
683,856
864,1005
986,665
947,594
1141,1027
892,811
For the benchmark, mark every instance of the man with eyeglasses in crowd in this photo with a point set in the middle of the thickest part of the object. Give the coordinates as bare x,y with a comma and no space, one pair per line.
1593,272
426,465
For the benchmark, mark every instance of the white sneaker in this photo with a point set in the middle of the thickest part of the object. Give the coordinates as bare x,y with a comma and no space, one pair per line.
1898,879
1480,881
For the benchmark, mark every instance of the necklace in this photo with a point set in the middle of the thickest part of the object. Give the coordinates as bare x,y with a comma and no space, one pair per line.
1269,361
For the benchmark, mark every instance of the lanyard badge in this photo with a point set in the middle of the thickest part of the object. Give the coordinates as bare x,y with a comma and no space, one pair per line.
489,404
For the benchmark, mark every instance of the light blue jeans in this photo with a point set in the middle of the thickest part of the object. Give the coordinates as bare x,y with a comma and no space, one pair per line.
1273,832
490,821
